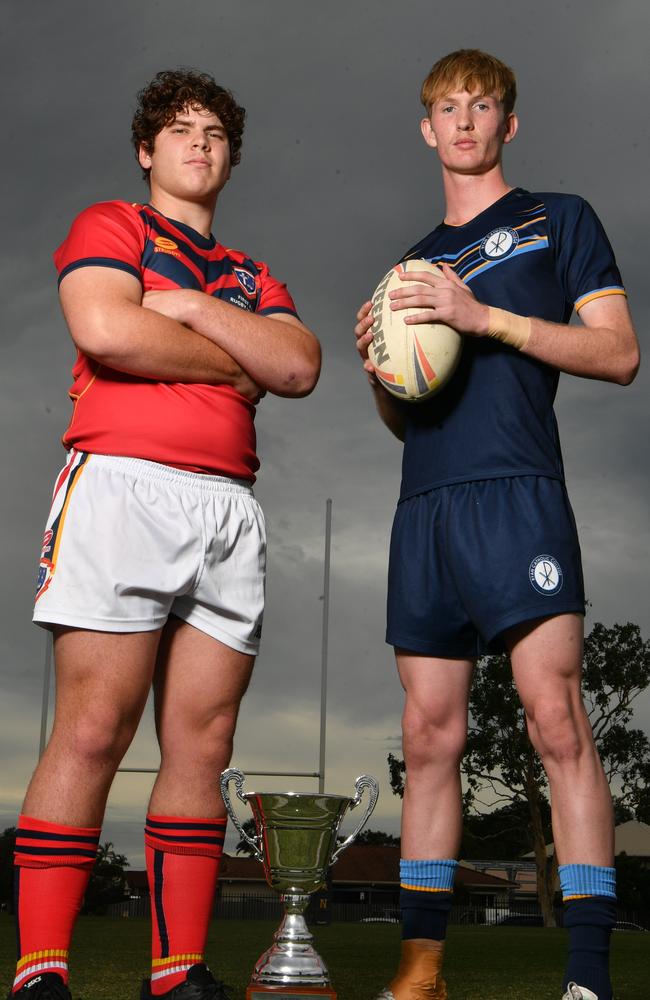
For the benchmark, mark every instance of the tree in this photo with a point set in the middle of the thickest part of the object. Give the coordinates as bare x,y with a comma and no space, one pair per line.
396,774
501,761
632,883
107,881
503,834
616,670
377,838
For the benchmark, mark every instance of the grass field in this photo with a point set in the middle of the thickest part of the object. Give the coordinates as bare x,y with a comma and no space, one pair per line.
109,958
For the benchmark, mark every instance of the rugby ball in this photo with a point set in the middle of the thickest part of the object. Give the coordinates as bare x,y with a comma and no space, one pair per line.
412,361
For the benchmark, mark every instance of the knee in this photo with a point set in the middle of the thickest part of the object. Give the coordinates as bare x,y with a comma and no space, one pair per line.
434,738
100,737
559,731
214,743
206,741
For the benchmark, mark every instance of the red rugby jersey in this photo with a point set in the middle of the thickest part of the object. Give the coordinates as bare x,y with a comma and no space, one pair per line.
203,428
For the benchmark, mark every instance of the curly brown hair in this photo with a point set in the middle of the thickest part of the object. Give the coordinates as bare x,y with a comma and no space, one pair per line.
170,93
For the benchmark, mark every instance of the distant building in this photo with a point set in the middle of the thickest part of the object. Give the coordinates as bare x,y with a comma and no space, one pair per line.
370,874
363,874
634,839
631,838
364,884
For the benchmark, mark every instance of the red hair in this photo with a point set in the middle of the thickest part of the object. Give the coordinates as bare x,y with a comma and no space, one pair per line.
471,70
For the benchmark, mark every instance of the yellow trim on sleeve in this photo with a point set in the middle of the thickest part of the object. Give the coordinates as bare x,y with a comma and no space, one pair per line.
591,296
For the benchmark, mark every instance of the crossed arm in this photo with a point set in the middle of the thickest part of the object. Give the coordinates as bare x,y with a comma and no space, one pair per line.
604,347
186,336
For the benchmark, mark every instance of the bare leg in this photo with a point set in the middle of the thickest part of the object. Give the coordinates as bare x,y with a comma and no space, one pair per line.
102,685
434,727
102,682
199,685
547,663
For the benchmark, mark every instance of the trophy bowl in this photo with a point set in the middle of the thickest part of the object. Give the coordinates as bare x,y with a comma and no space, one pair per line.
295,840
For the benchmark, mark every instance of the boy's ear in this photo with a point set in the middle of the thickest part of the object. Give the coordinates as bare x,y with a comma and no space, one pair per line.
427,133
511,127
144,158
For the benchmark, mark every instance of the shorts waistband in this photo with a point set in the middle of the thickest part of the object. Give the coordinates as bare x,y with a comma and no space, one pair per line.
144,469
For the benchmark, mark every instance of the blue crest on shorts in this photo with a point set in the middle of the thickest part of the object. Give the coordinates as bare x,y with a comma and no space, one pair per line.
245,279
45,571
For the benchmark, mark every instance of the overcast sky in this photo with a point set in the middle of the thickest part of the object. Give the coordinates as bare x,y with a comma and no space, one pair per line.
334,184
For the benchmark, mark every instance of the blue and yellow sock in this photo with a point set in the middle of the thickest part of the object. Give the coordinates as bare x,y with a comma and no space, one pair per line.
589,896
425,897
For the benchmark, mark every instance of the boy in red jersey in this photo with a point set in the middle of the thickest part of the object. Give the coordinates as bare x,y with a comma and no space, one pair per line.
152,569
484,552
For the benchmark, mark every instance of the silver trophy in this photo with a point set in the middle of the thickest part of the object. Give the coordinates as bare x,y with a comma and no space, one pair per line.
296,842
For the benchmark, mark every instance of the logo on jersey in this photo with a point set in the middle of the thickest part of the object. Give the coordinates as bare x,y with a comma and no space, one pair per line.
164,245
499,243
246,280
545,574
47,542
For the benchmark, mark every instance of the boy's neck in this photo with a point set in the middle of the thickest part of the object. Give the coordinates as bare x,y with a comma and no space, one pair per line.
197,215
467,195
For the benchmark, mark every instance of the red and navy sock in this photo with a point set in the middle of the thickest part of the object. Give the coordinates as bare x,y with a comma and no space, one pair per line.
589,896
52,868
183,857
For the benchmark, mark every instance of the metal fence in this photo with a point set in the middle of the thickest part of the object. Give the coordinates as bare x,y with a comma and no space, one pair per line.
245,906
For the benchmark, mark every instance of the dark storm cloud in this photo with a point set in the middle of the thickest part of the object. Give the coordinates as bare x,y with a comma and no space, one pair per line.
334,184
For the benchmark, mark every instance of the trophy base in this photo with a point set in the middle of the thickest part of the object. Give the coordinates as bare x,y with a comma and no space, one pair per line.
257,991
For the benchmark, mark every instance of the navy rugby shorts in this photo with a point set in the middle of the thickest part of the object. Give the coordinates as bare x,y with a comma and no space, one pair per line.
469,561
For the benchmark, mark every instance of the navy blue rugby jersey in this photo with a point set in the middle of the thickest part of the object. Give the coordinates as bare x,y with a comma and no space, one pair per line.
536,255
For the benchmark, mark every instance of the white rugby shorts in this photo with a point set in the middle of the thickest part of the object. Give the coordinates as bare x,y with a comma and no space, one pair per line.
129,542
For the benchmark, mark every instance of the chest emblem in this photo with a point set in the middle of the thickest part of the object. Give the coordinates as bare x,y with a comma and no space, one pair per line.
164,245
499,243
246,280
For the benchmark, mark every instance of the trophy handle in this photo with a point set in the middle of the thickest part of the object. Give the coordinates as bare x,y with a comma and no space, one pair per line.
364,781
234,774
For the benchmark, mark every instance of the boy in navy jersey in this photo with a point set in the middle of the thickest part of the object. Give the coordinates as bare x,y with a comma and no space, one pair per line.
484,555
152,565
